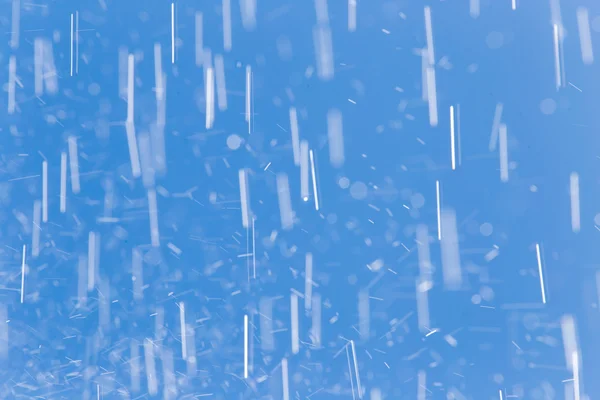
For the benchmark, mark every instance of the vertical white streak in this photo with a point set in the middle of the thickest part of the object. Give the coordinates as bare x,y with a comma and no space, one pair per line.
244,198
336,138
295,135
496,126
210,97
294,323
245,346
23,274
130,87
71,44
12,81
49,68
450,252
304,169
432,97
364,314
253,250
358,386
248,10
153,212
134,365
439,209
421,388
45,191
575,208
350,373
321,11
137,274
585,36
351,15
500,394
172,33
91,261
575,362
316,320
540,271
63,182
422,305
248,96
74,164
36,229
452,141
265,307
514,5
183,330
158,73
285,379
458,146
227,25
16,20
285,202
199,44
314,179
76,42
429,35
474,8
569,335
146,159
503,149
150,367
81,281
557,72
308,274
425,270
220,79
324,52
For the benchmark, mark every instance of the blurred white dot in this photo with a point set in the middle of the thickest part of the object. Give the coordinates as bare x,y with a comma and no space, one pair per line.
597,219
596,23
94,89
533,188
358,191
234,142
476,299
487,293
486,229
417,200
494,40
344,182
498,378
548,106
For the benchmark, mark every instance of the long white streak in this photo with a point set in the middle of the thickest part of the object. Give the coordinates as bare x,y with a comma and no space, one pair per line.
500,394
227,25
358,386
295,135
130,87
585,36
308,283
421,388
285,202
285,379
71,44
253,250
12,81
49,68
23,274
350,373
294,323
150,367
422,305
439,209
424,65
575,210
172,33
183,330
314,179
452,145
74,164
220,79
514,5
540,271
248,96
304,171
245,346
244,198
429,35
199,42
315,329
474,8
158,73
16,20
451,268
557,72
153,213
323,45
351,15
63,182
364,314
44,191
76,42
569,336
575,362
335,136
36,229
134,157
248,10
322,12
210,97
432,97
503,150
496,126
91,261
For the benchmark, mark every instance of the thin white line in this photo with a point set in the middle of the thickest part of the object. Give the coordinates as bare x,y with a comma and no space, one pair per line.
248,91
575,208
314,179
539,261
45,191
294,323
285,379
245,346
500,393
182,328
557,73
452,148
253,251
76,42
439,218
71,44
356,369
575,362
172,33
23,274
429,35
63,182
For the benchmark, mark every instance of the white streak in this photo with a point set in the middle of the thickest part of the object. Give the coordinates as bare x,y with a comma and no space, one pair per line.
71,44
183,330
153,213
503,149
285,202
158,73
199,44
44,191
227,25
452,141
74,164
358,386
304,171
294,323
314,179
248,10
321,11
585,36
421,388
308,283
134,365
315,329
474,8
500,394
146,159
220,79
36,230
23,274
575,209
422,305
245,346
172,33
134,158
324,52
12,80
557,71
429,35
244,198
150,367
16,20
450,252
575,363
63,182
514,5
540,271
364,318
295,135
336,138
285,379
439,209
351,15
496,126
569,335
76,42
91,261
130,87
432,97
248,97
